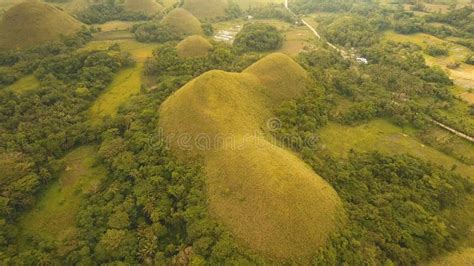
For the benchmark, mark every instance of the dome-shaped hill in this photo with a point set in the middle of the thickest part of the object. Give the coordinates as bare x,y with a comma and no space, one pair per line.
203,9
194,46
270,199
182,23
32,23
148,7
291,81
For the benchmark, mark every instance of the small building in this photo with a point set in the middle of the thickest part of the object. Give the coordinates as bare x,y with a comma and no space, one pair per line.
362,60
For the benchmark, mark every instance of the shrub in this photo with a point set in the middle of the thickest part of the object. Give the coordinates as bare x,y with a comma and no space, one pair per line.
258,37
436,50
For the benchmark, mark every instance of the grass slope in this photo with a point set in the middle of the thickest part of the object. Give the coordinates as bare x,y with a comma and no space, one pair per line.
148,7
204,9
32,23
271,201
193,46
182,23
54,215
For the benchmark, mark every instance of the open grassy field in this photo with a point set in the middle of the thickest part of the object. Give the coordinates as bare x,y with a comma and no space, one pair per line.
464,257
465,95
116,25
125,84
269,198
462,76
24,84
385,137
53,217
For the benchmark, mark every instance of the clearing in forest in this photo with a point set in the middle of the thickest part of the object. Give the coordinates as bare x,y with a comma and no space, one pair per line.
125,84
53,217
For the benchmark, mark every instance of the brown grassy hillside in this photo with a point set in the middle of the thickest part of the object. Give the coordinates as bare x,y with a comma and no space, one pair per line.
32,23
194,46
203,9
270,199
148,7
183,23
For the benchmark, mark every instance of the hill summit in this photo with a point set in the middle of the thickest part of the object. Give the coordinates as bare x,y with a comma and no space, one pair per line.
148,7
32,23
269,198
204,9
182,23
194,46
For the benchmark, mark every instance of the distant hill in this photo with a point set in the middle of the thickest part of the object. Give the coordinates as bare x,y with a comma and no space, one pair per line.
194,46
270,199
182,23
32,23
245,4
148,7
203,9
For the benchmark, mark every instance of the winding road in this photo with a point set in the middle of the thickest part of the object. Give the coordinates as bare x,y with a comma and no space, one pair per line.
315,32
345,55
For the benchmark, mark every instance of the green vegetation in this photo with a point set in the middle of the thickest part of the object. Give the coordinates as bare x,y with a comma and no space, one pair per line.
125,84
384,137
32,23
54,215
176,25
258,37
103,12
254,200
39,126
197,152
351,31
24,84
193,46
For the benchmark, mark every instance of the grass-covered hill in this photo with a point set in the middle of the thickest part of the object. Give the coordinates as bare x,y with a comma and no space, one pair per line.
148,7
32,23
268,197
203,9
193,46
182,23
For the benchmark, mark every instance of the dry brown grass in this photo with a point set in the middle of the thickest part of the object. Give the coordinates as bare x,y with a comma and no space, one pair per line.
183,23
203,9
194,46
32,23
270,200
149,7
